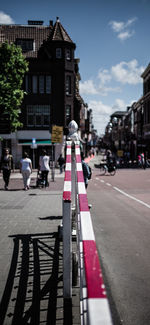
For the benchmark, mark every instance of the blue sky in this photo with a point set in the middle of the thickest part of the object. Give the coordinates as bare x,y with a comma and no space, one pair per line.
112,43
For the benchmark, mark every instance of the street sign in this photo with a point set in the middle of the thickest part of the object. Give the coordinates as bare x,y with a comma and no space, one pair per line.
57,133
120,153
34,144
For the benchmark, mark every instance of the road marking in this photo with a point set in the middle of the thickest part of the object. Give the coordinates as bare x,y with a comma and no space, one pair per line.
108,184
102,181
131,197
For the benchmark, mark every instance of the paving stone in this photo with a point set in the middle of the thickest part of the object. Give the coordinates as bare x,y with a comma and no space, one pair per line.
31,271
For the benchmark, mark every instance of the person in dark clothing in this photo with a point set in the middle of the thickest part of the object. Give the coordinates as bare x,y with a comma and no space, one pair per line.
6,166
61,162
44,167
109,157
86,171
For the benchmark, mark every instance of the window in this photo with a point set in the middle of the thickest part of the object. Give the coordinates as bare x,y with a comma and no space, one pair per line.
68,85
41,84
28,83
38,115
25,44
68,55
48,84
34,84
58,53
68,114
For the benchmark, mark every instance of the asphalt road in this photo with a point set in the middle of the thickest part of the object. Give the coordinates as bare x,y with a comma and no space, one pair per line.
121,221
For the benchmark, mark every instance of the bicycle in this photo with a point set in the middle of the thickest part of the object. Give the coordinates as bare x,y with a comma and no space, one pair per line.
104,168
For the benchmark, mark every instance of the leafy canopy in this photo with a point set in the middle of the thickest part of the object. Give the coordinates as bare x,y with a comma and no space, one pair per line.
13,66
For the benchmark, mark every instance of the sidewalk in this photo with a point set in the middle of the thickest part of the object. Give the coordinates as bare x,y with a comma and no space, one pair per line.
31,273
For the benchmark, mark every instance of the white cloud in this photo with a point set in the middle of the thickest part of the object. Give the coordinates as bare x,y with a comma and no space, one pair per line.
99,108
123,29
110,80
130,21
104,76
124,73
127,72
88,87
116,26
125,35
101,115
103,91
119,105
5,19
102,112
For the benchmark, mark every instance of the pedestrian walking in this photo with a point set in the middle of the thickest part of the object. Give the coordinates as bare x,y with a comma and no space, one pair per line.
86,173
26,170
6,166
86,170
44,167
143,160
61,162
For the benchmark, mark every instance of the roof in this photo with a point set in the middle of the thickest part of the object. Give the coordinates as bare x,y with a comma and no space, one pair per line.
38,33
59,33
119,113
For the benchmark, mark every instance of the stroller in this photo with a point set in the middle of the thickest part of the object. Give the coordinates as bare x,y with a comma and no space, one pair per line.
39,181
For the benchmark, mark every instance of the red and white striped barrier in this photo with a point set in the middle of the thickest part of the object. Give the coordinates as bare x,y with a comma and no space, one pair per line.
97,303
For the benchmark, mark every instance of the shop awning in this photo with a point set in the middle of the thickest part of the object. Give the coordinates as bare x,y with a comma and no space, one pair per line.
38,142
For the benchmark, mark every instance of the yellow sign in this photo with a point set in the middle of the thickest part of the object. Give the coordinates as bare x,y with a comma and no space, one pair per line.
120,153
57,133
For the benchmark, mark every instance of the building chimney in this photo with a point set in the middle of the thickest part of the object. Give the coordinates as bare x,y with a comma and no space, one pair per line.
35,22
51,23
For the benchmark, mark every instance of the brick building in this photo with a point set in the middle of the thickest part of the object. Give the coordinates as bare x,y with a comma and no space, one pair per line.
130,130
52,95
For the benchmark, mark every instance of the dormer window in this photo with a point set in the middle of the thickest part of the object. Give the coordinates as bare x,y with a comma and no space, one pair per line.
58,53
25,44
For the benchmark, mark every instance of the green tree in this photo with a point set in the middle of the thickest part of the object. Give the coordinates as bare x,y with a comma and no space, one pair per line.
13,66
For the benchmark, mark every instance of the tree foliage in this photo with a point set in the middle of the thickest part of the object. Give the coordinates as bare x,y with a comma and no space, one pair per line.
13,66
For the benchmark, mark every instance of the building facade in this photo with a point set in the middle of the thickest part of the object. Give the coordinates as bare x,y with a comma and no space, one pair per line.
130,130
145,109
50,85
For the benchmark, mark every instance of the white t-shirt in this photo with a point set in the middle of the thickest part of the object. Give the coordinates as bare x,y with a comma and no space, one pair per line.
25,164
44,163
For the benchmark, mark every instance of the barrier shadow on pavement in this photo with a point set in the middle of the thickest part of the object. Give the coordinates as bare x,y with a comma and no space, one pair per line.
51,218
34,289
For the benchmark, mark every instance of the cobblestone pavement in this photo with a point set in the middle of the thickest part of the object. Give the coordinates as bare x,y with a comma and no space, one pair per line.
31,273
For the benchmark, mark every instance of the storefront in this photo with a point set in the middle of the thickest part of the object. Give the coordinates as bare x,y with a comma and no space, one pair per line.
35,152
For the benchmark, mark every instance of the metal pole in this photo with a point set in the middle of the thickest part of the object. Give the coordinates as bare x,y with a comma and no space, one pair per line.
53,163
33,159
67,250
